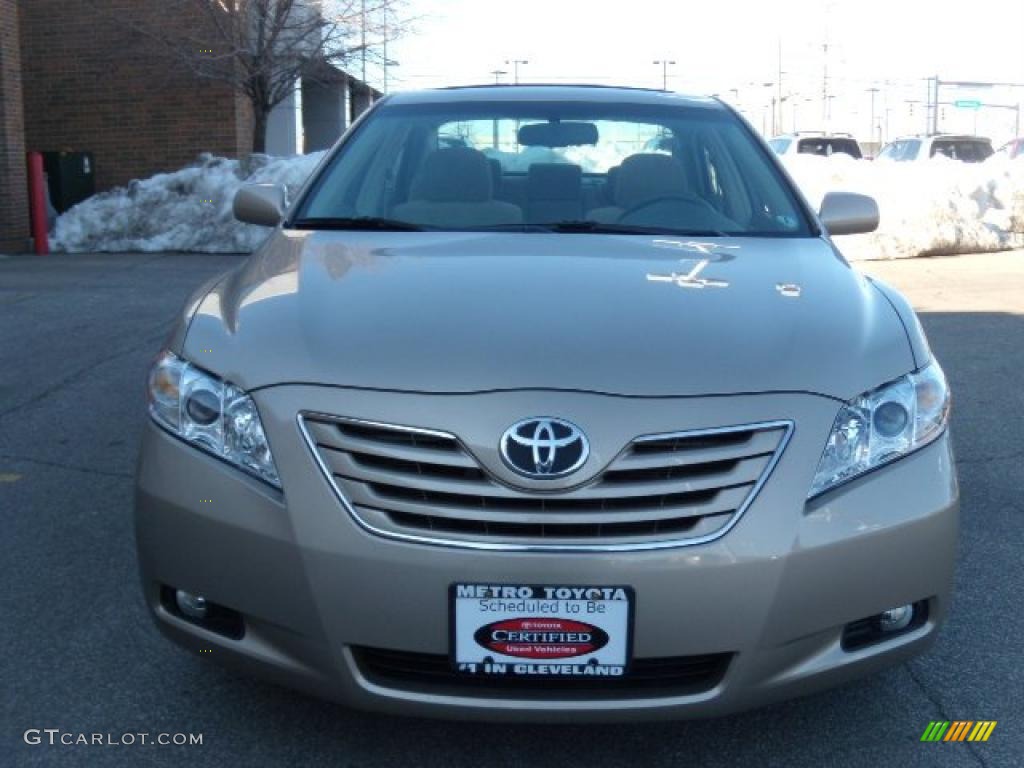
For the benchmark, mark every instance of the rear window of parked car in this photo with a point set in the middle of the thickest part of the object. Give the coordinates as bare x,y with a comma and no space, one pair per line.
829,146
967,150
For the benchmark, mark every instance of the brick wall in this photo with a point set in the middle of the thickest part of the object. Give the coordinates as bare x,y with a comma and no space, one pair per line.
13,194
91,83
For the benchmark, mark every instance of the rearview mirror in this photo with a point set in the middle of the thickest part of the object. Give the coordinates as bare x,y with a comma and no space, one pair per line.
847,213
557,134
262,204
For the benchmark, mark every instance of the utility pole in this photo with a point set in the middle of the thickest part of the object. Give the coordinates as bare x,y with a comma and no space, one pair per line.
928,108
935,110
515,68
777,128
873,90
824,75
665,64
824,85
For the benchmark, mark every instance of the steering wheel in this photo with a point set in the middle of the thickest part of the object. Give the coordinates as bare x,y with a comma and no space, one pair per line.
691,200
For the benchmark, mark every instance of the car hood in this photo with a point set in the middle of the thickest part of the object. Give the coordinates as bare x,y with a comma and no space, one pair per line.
470,312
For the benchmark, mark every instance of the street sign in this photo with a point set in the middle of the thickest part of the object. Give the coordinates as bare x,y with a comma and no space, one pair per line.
967,104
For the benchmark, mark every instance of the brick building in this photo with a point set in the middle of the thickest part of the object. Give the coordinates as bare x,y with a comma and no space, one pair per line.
13,195
74,76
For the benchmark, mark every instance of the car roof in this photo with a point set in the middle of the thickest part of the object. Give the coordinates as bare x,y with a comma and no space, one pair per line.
942,136
815,135
555,93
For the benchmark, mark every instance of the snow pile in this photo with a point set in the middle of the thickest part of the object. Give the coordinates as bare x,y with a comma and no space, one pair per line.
187,210
937,207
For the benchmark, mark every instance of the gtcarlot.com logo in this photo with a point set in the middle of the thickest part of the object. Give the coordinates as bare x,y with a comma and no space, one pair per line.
958,730
56,737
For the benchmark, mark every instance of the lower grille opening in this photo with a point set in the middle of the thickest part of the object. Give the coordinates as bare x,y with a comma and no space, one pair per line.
668,676
538,503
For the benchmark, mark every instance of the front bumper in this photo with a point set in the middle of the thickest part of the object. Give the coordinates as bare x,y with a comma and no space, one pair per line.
776,591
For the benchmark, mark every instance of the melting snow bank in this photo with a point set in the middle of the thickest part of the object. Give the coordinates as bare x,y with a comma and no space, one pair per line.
938,207
187,210
931,208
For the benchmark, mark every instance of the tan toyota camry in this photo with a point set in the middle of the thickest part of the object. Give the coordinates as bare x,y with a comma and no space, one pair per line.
549,403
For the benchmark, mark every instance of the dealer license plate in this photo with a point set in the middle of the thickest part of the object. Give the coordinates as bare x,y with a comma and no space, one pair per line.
553,631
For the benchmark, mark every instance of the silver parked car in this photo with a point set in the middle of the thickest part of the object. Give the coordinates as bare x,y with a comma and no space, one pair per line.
513,417
967,149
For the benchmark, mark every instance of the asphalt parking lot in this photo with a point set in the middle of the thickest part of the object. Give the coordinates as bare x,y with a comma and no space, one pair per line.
77,334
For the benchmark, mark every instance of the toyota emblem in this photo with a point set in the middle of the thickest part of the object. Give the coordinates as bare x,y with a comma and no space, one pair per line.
544,448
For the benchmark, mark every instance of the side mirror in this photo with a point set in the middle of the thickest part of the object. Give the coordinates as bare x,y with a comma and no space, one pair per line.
847,213
262,204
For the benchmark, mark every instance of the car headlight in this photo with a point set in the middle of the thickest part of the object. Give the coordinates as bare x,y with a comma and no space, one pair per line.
882,425
211,414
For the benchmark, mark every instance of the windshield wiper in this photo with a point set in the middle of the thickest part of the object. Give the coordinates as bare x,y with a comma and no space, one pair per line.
521,227
354,223
597,227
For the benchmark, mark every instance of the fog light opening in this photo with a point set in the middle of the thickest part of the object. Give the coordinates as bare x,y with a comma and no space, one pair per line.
193,606
896,619
200,611
884,626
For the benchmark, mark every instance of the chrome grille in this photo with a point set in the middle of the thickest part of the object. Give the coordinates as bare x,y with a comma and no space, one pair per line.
661,490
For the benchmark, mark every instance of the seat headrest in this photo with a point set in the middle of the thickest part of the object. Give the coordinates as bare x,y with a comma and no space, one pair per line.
454,175
554,181
496,175
647,176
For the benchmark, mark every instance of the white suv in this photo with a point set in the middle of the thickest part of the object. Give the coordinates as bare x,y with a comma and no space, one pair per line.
825,144
967,149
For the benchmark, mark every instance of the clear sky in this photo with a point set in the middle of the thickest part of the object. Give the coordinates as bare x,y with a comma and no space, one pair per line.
732,48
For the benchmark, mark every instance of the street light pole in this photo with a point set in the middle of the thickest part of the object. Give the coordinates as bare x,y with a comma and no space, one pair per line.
764,119
362,31
495,137
515,68
665,64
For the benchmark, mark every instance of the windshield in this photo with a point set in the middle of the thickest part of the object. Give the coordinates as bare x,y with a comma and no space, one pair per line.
536,166
904,149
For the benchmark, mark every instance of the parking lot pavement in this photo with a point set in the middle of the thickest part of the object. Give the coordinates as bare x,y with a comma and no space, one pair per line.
76,337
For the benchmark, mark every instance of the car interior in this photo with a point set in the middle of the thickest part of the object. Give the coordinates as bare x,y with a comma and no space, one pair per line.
461,186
